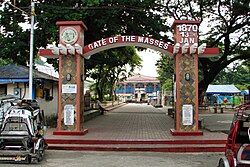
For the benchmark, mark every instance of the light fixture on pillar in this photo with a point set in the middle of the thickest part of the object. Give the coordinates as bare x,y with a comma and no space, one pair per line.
185,48
71,49
78,49
176,48
62,49
201,48
68,77
193,48
187,76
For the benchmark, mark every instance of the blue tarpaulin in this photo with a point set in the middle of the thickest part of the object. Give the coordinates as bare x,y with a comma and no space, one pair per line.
222,89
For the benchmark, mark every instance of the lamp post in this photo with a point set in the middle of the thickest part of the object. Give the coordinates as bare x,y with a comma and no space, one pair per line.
31,50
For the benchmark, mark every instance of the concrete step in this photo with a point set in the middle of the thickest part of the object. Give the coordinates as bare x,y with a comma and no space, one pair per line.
151,146
143,148
75,141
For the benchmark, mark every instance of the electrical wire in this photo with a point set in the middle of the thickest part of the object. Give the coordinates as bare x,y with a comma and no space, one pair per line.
93,8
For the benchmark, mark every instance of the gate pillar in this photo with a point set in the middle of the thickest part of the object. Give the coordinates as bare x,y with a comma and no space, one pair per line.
186,75
71,79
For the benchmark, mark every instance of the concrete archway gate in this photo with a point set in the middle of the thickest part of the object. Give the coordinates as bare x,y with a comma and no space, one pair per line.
71,53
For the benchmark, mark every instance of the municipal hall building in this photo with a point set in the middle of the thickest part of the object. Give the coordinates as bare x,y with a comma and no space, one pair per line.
138,88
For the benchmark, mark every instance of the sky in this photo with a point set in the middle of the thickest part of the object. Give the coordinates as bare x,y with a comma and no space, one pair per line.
149,58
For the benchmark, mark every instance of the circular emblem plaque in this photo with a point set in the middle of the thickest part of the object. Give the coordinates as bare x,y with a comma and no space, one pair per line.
69,35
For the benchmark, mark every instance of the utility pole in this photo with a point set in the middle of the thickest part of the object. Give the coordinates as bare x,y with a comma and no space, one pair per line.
31,42
31,50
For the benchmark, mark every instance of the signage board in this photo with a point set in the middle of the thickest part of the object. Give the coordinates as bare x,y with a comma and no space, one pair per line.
69,88
69,110
187,114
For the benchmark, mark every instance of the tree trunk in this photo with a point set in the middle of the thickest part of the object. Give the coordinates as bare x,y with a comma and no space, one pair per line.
202,91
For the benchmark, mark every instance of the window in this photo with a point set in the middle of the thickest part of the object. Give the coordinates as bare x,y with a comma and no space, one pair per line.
3,90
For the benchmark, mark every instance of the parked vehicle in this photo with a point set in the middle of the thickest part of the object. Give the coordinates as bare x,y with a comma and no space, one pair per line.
237,152
5,103
22,134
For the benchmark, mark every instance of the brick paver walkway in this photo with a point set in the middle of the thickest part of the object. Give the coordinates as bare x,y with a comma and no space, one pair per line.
135,122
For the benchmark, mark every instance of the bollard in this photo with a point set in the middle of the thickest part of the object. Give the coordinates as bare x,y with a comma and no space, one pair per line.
215,109
221,110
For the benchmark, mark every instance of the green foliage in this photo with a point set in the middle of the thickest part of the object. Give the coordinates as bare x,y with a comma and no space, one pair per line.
237,75
247,64
14,42
105,18
4,62
242,87
168,85
165,68
107,73
227,28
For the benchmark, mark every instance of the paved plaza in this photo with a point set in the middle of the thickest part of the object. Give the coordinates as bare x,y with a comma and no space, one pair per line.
145,122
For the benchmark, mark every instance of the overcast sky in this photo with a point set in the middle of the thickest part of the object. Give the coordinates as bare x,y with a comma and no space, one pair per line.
149,58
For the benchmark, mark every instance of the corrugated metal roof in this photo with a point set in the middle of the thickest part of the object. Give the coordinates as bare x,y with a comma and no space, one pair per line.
142,78
22,72
222,89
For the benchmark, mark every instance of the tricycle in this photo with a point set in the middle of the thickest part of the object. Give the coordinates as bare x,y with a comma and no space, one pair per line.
237,151
22,133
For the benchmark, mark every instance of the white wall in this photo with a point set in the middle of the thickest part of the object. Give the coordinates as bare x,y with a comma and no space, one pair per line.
49,107
24,92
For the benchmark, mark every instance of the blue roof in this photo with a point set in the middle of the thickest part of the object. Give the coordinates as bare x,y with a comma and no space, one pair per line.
222,89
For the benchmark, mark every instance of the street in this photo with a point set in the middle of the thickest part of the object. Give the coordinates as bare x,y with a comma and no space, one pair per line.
124,159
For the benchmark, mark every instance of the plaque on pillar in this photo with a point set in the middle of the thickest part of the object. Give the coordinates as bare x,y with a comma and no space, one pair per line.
187,114
69,110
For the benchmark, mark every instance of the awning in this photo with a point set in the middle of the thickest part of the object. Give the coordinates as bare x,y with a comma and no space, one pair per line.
222,89
13,80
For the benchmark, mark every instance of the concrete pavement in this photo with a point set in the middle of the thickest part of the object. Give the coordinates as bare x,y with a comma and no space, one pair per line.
124,159
217,122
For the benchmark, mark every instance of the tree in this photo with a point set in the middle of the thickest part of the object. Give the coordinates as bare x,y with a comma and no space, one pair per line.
13,41
108,73
104,18
238,75
165,68
228,25
168,85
